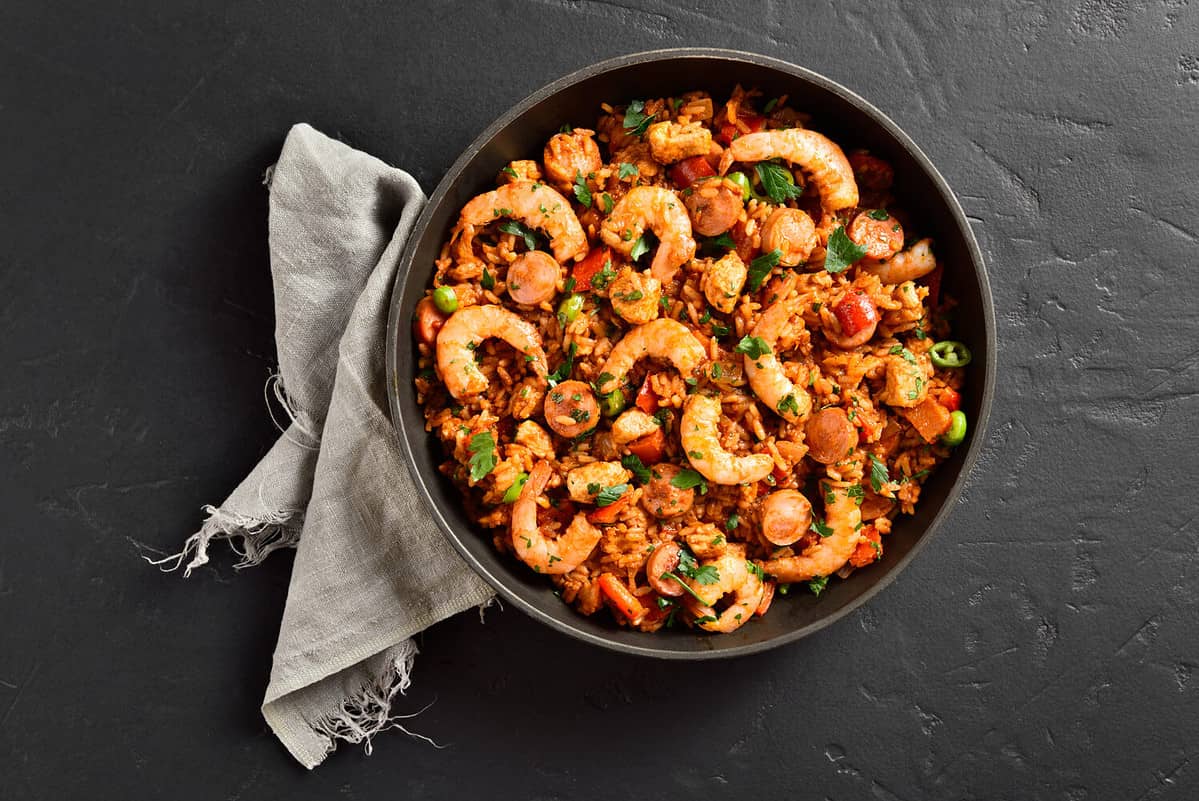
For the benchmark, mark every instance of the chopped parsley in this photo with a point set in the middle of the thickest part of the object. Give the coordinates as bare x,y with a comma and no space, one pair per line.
878,214
582,192
563,371
610,495
580,415
662,417
523,231
760,267
821,528
482,455
878,473
733,521
842,251
627,170
818,584
629,297
689,567
514,491
510,172
641,246
488,280
607,202
689,479
753,347
636,121
756,569
789,404
774,181
600,280
632,462
857,493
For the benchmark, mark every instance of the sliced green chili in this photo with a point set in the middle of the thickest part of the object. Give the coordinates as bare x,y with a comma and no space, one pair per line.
949,353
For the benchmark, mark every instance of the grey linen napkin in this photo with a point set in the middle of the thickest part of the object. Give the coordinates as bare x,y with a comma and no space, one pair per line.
372,569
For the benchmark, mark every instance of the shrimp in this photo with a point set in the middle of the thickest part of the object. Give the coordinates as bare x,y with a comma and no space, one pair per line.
465,331
734,576
569,155
661,211
534,204
553,557
699,432
661,339
792,233
765,373
831,553
819,156
907,265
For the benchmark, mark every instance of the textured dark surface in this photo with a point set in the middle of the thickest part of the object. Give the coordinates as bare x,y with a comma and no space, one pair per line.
1043,646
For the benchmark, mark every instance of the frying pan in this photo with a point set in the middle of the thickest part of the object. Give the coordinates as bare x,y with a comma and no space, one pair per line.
837,112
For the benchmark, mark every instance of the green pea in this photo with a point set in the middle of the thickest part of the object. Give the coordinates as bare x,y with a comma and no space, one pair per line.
948,353
742,181
569,308
514,491
445,299
957,430
612,404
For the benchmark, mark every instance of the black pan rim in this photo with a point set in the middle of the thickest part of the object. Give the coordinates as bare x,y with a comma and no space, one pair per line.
980,426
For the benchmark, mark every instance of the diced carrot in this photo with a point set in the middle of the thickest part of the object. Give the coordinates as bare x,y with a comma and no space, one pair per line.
930,418
650,448
608,514
589,267
729,132
869,550
647,400
621,599
767,597
951,400
688,171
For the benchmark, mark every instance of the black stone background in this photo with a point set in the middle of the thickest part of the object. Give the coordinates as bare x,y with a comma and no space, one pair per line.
1043,646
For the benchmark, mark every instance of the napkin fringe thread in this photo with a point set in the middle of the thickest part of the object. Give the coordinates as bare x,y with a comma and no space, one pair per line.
367,712
251,538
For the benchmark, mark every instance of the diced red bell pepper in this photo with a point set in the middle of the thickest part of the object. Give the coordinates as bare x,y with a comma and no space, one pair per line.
647,399
609,513
688,171
589,267
869,550
780,475
650,448
729,132
952,400
621,598
933,280
856,313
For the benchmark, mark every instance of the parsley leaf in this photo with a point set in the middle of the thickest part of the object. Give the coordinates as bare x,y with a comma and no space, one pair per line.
635,118
789,404
818,584
774,181
632,462
689,479
510,172
610,495
857,493
753,347
821,528
627,170
733,521
582,191
756,569
760,267
518,229
488,280
608,203
662,417
878,214
563,371
482,451
689,567
514,491
642,246
842,251
878,473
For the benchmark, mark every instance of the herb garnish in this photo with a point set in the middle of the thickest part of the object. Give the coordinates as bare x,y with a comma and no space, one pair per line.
842,251
610,495
878,473
636,120
818,584
632,462
482,451
523,231
563,371
878,214
774,181
582,191
753,347
760,267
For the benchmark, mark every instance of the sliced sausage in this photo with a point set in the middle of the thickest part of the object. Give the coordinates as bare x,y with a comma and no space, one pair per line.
533,277
664,559
428,320
571,409
830,435
786,516
663,499
714,206
878,232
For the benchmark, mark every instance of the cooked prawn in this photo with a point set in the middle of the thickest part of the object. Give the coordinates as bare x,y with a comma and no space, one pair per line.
536,205
832,552
820,157
735,577
661,339
765,372
699,432
662,212
906,265
465,331
558,556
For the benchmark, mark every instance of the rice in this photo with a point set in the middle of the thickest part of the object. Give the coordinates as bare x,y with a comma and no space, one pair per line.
887,462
